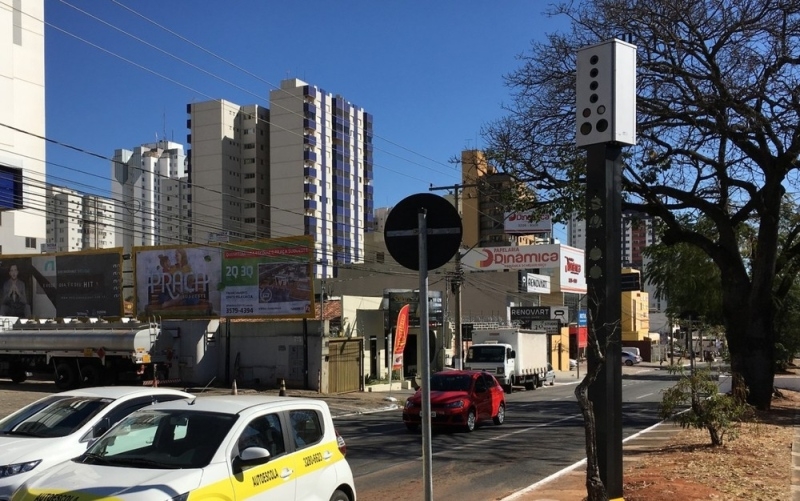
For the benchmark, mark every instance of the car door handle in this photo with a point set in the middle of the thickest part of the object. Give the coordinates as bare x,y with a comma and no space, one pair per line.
327,455
286,473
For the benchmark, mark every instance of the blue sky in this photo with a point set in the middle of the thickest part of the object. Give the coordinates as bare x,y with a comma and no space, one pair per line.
430,72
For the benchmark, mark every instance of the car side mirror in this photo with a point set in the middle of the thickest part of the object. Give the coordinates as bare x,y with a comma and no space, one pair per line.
252,456
513,354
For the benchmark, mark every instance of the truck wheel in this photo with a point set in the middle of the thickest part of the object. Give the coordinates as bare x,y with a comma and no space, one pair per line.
92,375
501,415
18,374
509,388
65,378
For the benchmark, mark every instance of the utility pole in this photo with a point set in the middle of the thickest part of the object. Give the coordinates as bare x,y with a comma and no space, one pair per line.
458,277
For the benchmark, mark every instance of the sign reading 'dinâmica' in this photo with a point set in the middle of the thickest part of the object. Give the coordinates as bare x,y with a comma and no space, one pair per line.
512,257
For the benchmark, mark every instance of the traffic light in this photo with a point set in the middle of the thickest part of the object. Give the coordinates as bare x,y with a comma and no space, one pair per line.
606,94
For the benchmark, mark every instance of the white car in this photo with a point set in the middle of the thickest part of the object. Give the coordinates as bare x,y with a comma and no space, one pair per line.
630,359
59,427
211,447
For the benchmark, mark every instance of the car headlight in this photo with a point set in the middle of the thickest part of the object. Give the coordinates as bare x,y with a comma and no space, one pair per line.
409,404
455,405
17,468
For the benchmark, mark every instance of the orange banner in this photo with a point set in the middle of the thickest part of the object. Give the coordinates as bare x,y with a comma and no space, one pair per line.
400,335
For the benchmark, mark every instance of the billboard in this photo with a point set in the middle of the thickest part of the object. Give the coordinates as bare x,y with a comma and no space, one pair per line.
177,281
263,278
74,284
268,278
521,223
401,297
533,283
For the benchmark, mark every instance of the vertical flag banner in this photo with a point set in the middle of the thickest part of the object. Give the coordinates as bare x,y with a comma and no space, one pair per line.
400,335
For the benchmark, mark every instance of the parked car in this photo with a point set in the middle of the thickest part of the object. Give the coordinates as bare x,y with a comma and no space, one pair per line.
549,376
629,358
59,427
461,399
210,447
573,364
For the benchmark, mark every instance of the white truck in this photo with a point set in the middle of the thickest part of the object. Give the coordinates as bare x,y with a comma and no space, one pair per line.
516,357
88,353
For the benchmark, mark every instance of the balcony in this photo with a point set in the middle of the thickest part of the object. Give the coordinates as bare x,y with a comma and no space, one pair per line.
310,172
310,92
310,140
309,124
310,204
309,156
310,188
309,108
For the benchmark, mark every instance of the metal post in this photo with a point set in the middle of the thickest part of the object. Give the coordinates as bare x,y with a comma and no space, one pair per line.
424,328
604,260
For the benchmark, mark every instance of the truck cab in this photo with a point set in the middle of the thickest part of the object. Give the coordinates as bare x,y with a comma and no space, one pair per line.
496,358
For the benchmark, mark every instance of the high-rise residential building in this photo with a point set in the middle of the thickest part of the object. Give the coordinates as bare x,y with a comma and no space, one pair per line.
321,172
637,232
22,149
77,221
149,185
484,202
229,171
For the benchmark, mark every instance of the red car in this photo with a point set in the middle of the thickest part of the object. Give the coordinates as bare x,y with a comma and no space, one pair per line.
459,398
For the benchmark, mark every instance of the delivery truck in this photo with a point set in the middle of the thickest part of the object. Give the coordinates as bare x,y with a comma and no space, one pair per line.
78,353
516,357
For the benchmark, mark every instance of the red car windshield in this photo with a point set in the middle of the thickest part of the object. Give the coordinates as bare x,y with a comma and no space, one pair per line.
443,382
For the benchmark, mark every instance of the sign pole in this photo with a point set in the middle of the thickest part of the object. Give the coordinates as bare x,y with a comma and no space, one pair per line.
424,331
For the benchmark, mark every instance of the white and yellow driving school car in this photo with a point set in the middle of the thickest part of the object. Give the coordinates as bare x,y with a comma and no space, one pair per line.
214,447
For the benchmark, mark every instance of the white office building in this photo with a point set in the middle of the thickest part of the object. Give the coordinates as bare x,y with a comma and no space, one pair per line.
153,204
229,171
22,106
321,165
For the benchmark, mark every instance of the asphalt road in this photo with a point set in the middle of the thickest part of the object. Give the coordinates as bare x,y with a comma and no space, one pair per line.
543,433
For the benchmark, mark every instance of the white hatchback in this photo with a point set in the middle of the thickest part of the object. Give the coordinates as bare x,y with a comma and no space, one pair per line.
59,427
210,447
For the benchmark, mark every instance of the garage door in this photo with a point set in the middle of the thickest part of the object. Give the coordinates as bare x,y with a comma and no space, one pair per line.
344,365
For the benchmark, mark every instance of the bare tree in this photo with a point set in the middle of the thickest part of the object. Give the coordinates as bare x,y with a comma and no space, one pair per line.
718,101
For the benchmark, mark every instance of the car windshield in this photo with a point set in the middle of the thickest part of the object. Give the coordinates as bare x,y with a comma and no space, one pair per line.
52,417
444,382
490,354
161,439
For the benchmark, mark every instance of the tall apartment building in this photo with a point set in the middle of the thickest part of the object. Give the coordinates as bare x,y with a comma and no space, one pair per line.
76,221
484,203
321,171
229,170
637,232
149,184
22,106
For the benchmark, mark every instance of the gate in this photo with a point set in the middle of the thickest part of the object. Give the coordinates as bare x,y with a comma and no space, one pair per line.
344,365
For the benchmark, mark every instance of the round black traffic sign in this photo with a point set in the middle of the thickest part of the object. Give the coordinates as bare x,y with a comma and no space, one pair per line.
443,230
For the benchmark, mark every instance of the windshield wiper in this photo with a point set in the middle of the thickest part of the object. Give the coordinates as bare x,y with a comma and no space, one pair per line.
146,463
21,433
90,458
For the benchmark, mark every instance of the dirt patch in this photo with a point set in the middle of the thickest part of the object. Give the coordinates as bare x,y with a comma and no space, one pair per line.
755,466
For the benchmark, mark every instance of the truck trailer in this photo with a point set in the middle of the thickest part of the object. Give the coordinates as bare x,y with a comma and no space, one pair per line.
92,353
516,357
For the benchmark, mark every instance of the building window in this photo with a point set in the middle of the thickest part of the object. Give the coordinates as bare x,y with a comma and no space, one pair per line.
30,243
249,190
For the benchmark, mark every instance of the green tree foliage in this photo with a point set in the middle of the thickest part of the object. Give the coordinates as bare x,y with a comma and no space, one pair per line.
687,279
718,128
